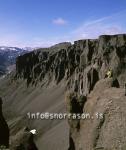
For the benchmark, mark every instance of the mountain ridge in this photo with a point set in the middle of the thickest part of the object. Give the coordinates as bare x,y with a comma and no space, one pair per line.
8,57
42,78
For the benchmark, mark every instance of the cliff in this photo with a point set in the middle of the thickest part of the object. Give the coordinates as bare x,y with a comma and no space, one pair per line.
4,130
81,64
79,70
42,63
104,126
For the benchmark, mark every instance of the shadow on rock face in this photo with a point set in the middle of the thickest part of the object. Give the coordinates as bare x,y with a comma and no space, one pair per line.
93,77
115,83
4,130
72,146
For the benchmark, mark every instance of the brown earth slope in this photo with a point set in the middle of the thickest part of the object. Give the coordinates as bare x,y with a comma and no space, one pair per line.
19,100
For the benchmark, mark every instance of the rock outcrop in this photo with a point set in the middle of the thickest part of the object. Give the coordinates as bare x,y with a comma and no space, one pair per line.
104,128
81,64
23,140
4,130
82,67
43,63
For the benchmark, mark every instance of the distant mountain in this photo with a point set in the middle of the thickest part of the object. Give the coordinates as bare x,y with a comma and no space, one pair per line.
8,57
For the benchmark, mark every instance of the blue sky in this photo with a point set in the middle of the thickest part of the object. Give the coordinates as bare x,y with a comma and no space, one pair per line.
41,23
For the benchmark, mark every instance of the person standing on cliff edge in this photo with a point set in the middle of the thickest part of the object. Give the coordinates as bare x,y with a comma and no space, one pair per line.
109,74
4,129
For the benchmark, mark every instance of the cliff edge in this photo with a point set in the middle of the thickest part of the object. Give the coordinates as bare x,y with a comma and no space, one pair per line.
43,77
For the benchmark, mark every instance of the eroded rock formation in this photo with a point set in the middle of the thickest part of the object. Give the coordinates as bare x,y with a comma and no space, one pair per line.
105,128
81,64
83,67
4,130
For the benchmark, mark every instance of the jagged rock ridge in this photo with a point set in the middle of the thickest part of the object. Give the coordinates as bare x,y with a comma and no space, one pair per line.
82,66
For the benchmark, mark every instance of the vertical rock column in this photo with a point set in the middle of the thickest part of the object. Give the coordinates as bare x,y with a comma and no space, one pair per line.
4,130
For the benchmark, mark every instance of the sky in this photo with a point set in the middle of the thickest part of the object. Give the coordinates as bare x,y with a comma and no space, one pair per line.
42,23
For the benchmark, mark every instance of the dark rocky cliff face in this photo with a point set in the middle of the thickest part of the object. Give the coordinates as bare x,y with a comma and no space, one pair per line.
81,64
4,130
83,67
43,63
